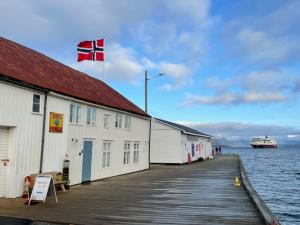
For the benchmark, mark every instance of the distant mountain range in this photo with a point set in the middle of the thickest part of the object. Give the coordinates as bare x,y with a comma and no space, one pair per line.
242,142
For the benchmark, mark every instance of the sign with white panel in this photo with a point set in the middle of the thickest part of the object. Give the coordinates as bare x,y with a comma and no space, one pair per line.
43,187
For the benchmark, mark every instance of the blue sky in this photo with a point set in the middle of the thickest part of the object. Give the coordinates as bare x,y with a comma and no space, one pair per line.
230,64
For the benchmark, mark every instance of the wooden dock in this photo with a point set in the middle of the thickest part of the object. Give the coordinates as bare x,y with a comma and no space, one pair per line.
201,193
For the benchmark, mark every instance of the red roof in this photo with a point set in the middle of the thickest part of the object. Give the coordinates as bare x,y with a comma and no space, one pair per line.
26,65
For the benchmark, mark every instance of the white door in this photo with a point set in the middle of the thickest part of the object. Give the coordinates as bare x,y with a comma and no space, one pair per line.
3,156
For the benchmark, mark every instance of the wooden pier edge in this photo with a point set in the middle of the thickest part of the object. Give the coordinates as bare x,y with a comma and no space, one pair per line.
267,214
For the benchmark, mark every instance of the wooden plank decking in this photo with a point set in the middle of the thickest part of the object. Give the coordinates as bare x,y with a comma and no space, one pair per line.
202,193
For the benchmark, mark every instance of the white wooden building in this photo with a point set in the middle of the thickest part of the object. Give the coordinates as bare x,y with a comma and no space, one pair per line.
174,143
48,110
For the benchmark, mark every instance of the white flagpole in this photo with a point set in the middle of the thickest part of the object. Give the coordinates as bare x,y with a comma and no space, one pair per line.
103,63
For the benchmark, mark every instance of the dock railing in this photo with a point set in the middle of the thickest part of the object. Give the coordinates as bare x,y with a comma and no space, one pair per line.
265,211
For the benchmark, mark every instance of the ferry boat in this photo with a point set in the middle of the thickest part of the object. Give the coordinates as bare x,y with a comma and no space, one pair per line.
263,142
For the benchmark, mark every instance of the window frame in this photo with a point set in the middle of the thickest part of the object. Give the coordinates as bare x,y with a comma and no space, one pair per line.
106,120
136,152
35,103
126,155
106,154
75,116
118,120
127,122
91,115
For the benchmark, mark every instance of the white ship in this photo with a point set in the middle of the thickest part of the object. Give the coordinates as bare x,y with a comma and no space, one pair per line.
263,142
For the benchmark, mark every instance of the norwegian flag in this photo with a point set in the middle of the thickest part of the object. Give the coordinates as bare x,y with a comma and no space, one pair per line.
91,50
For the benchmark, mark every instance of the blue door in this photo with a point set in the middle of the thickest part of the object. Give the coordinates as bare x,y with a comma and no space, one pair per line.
87,160
193,150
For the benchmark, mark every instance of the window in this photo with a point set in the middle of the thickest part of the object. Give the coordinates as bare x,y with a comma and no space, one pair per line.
136,148
127,122
126,152
36,99
106,120
91,116
118,123
106,154
74,113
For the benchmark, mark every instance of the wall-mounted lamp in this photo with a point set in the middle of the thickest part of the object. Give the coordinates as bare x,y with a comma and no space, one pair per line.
74,140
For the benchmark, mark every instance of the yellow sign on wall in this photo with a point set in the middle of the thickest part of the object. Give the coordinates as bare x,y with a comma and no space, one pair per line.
56,122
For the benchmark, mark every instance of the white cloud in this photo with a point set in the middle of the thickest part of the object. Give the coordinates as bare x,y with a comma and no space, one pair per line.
267,37
153,30
193,9
123,65
179,73
230,98
68,19
261,47
253,88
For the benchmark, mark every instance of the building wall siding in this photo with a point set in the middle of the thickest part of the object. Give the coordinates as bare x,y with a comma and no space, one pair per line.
202,147
55,146
165,144
170,145
139,132
24,134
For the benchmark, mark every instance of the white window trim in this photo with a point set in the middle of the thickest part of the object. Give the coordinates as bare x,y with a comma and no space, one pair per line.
118,120
128,160
91,116
79,123
108,121
138,151
39,112
127,122
106,167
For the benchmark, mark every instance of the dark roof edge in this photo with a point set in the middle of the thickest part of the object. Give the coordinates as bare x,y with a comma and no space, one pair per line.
184,129
201,135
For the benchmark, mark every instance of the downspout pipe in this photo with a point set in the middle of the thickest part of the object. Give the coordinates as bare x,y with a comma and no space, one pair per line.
43,132
149,143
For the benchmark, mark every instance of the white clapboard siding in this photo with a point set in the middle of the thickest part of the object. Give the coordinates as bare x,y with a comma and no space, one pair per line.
24,139
3,155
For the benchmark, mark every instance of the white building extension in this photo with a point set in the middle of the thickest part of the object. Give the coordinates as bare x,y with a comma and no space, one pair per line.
175,143
48,110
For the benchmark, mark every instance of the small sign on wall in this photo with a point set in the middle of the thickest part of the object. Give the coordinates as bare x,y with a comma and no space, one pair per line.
56,122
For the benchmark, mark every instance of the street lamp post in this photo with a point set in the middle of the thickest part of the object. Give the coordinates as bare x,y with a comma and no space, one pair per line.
146,87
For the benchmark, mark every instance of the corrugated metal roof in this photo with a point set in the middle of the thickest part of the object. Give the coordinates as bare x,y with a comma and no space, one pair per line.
26,65
185,129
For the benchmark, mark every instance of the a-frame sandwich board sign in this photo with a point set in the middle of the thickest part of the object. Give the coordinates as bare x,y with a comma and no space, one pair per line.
43,187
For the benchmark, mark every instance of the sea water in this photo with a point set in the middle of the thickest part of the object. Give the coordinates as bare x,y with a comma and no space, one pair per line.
275,175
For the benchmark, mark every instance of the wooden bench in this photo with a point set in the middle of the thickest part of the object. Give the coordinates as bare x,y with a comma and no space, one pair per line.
57,182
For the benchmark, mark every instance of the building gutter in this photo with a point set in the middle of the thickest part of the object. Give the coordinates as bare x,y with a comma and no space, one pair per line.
43,133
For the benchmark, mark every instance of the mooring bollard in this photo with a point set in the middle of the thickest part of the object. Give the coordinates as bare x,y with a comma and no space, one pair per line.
237,182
